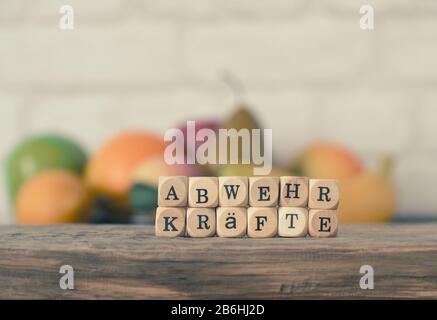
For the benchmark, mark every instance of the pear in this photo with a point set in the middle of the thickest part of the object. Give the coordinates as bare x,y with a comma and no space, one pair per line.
241,119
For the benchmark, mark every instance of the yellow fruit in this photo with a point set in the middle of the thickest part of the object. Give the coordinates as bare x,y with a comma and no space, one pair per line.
247,170
110,171
53,197
366,198
236,170
326,161
149,171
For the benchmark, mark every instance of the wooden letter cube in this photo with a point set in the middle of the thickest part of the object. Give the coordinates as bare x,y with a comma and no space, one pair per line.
201,222
203,192
262,222
231,222
233,191
293,222
294,192
324,194
170,222
172,192
323,223
263,191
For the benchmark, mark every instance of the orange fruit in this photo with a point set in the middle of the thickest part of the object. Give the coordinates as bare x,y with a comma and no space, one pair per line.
110,171
327,161
367,198
52,197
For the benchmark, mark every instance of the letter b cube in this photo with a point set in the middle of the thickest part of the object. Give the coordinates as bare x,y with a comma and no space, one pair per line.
203,192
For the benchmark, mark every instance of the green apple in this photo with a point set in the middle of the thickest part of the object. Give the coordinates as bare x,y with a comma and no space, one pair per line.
39,153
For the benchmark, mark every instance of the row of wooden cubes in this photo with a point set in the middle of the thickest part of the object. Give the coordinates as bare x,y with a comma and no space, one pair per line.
255,222
211,192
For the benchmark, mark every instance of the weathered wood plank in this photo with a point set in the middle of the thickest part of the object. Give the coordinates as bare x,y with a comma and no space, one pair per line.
115,262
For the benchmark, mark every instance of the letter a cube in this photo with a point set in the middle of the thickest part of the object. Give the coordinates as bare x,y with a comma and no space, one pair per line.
172,191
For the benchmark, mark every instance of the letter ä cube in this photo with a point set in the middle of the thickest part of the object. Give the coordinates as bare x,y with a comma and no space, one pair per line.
231,222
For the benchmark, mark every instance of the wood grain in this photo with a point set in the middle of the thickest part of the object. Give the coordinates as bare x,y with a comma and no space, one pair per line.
129,262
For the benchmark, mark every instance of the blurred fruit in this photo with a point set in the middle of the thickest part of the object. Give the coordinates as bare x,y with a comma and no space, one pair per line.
241,119
278,172
236,170
110,171
39,153
107,212
143,196
149,171
247,170
202,124
53,197
368,197
326,161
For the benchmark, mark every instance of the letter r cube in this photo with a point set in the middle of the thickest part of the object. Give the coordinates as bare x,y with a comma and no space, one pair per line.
324,194
201,222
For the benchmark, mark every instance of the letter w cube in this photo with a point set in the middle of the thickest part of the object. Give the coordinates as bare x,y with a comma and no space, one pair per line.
233,191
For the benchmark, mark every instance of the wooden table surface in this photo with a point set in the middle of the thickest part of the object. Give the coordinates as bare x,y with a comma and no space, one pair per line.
129,262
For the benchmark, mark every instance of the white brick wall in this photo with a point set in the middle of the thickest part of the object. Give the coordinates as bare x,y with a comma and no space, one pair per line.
89,56
278,53
10,129
310,73
408,50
